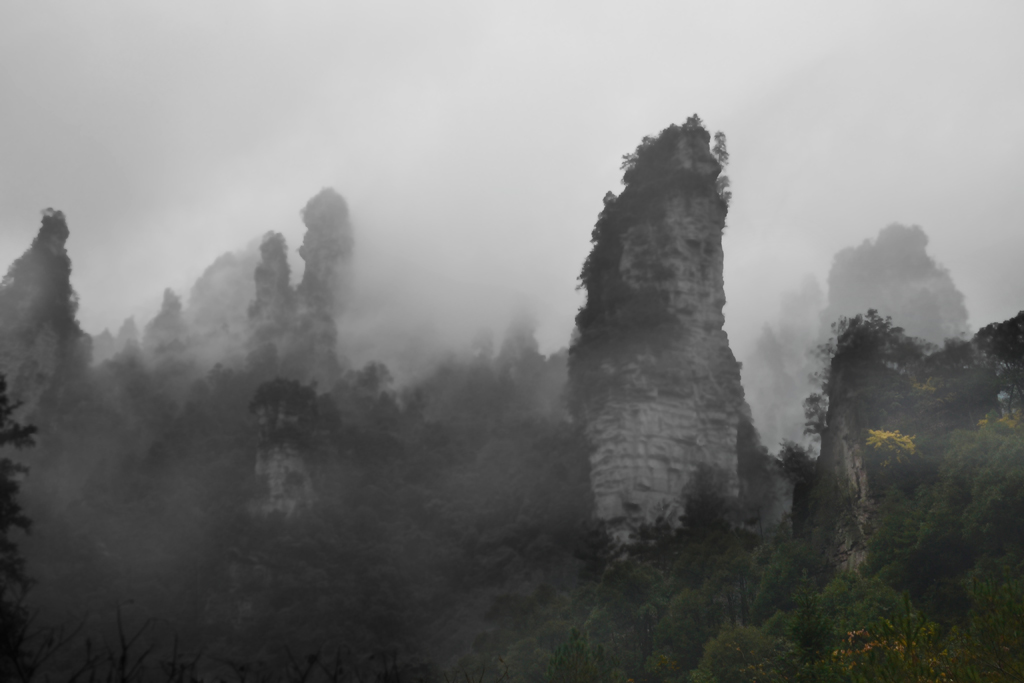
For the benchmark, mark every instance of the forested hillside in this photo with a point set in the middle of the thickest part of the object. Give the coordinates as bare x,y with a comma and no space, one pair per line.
468,494
938,595
283,514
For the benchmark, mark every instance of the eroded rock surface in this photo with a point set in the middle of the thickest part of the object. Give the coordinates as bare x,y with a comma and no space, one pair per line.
286,412
289,485
842,464
652,376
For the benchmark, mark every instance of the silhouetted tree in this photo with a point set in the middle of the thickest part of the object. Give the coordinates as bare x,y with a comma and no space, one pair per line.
1003,344
13,581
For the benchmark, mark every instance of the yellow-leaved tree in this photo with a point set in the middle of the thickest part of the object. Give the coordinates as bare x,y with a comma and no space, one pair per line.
892,444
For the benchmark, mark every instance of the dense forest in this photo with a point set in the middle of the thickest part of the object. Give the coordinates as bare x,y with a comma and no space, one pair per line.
267,519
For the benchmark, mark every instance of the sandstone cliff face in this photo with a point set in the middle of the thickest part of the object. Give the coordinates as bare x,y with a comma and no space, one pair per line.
652,375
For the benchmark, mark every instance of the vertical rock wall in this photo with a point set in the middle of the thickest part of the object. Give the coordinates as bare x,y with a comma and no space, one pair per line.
842,478
652,376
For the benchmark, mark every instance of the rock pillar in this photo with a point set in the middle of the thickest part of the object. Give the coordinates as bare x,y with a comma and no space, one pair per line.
653,379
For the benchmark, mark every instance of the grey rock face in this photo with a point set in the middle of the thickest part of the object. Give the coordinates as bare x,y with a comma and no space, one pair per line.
843,478
294,330
895,275
653,378
286,412
289,485
273,310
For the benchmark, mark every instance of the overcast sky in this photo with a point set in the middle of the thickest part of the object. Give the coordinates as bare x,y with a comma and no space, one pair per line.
474,141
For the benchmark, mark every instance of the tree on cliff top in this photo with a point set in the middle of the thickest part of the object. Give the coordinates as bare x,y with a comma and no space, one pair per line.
865,349
677,162
677,165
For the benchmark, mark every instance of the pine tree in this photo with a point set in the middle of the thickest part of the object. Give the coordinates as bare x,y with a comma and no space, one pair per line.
13,581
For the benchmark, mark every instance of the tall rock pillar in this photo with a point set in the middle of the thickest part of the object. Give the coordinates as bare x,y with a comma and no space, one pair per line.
652,377
41,344
327,250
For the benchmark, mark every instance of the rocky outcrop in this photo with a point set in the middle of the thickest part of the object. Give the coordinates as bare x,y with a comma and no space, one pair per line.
846,506
127,335
293,331
870,363
286,413
273,310
289,485
895,276
327,250
41,342
167,336
652,376
216,308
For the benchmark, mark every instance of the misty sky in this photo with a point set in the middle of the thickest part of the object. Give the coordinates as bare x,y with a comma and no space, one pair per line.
474,141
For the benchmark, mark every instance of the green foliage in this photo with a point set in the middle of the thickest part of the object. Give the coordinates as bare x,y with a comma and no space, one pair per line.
785,564
12,577
286,410
1003,346
719,150
926,543
427,499
13,581
734,654
906,647
708,603
577,662
852,600
812,629
12,433
993,646
890,382
866,361
434,498
631,599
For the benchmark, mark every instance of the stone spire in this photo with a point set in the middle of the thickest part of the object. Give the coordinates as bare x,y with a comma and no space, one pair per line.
327,250
652,377
272,312
40,339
